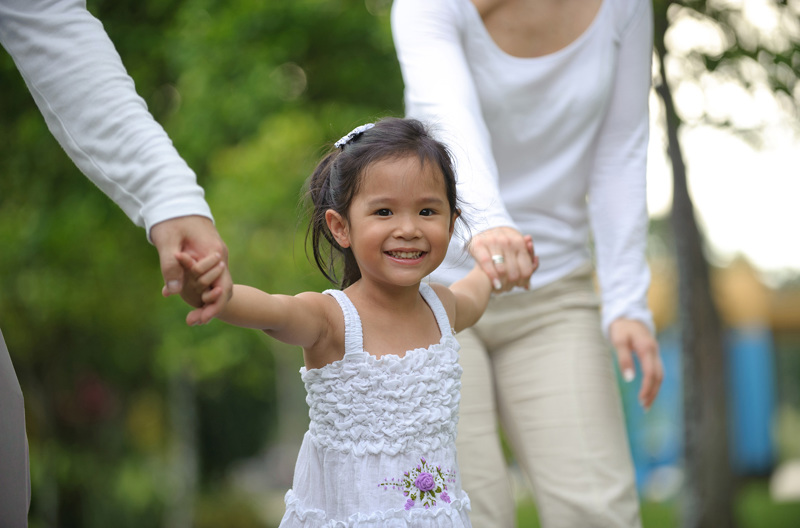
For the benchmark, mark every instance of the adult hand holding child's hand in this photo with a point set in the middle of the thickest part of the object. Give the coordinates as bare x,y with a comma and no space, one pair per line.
506,256
196,237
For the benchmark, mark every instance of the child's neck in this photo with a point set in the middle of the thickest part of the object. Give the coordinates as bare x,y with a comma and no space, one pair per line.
393,319
396,299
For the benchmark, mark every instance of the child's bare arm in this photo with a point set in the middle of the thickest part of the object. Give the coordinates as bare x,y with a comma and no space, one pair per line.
471,295
298,320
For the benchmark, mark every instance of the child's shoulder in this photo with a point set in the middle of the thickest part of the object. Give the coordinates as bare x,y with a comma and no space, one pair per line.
321,302
448,299
330,345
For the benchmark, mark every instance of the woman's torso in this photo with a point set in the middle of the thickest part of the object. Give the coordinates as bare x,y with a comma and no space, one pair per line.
543,114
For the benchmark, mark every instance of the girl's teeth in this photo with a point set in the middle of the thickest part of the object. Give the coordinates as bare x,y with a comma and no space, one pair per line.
405,254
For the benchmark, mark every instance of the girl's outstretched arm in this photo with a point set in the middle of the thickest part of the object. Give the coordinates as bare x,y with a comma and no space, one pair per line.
297,320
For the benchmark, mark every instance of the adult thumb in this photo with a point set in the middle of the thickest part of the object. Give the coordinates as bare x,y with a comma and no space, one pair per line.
172,271
168,244
625,358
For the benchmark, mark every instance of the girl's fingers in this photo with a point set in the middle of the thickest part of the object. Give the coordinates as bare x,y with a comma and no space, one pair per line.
209,277
185,260
193,318
205,264
209,296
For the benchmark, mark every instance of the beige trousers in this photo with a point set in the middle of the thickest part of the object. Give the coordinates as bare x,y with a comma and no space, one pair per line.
538,364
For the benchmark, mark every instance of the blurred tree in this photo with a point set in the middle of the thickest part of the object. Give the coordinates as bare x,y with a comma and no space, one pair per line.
729,48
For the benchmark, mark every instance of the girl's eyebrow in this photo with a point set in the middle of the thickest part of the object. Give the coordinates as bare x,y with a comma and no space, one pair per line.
379,200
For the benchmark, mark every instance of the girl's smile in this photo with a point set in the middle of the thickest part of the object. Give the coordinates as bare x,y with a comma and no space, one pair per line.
406,257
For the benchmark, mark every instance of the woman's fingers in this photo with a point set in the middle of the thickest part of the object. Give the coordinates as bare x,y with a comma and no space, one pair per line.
632,337
493,267
652,372
504,255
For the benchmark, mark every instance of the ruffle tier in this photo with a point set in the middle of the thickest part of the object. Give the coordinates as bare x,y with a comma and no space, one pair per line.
367,405
452,515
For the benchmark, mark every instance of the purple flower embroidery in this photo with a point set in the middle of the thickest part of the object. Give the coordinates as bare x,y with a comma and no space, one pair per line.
425,481
422,485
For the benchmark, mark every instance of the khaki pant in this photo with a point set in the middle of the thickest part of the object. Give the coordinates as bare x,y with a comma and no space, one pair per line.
538,363
15,484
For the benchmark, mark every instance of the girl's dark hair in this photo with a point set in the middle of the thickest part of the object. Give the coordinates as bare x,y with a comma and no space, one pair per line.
337,179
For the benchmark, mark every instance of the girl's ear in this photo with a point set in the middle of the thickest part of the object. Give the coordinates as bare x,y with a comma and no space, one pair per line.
338,228
455,216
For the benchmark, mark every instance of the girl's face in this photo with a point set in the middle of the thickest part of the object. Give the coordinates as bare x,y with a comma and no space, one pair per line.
399,223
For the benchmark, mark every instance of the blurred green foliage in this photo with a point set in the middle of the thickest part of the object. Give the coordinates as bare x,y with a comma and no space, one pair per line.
251,94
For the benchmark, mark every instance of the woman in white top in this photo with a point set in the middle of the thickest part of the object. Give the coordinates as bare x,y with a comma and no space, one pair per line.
544,104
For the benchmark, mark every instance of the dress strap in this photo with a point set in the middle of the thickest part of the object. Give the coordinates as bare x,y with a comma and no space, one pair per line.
353,337
437,307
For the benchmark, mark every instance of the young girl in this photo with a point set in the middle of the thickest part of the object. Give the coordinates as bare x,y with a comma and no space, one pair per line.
381,363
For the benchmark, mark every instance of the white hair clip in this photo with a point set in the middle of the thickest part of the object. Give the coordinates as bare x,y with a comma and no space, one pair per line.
357,131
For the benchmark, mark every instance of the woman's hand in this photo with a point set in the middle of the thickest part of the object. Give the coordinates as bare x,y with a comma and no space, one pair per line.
506,256
630,336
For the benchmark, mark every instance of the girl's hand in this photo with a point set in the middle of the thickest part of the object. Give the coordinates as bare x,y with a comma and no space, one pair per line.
506,256
630,336
199,278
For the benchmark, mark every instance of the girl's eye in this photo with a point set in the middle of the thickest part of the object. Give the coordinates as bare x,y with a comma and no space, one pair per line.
383,212
427,212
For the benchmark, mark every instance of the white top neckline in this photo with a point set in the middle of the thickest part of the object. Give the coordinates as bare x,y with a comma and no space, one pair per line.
472,11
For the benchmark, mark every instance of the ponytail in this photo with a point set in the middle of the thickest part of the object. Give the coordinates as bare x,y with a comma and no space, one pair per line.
326,250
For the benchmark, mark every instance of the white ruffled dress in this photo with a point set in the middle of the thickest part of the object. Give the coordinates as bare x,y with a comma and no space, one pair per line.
380,448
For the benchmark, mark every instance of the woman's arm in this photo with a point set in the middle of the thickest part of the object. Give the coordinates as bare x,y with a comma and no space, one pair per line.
618,205
91,106
439,89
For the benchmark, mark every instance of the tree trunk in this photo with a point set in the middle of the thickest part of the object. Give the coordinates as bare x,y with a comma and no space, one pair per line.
707,501
184,457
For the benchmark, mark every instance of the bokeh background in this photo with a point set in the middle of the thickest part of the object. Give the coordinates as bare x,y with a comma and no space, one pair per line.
135,419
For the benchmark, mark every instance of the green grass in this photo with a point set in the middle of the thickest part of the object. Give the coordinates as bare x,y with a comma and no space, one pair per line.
753,508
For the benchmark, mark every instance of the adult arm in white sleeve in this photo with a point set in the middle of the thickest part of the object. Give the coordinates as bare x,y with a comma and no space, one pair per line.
618,209
617,193
439,90
91,107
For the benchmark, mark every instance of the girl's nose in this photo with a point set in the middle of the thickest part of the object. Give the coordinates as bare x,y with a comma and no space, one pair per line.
407,228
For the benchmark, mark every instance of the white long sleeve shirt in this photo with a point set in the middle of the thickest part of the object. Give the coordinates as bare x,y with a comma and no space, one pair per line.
91,107
551,145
